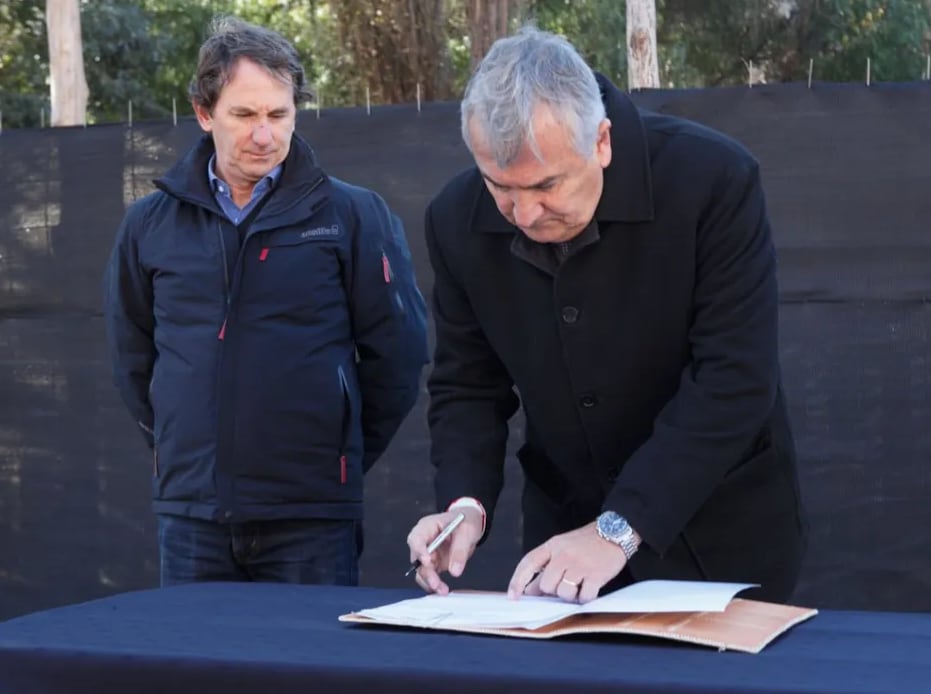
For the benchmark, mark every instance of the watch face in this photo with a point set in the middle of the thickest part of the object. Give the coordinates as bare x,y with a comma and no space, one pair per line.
612,525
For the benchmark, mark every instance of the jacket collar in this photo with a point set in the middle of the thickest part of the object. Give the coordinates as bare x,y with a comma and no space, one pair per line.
628,189
188,179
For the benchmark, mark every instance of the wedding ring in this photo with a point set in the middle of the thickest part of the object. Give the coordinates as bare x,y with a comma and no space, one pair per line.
571,583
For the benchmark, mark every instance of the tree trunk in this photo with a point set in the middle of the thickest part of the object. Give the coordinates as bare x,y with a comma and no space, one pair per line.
394,47
642,63
488,21
66,62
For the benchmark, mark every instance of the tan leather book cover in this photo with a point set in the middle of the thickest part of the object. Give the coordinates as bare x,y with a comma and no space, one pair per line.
744,625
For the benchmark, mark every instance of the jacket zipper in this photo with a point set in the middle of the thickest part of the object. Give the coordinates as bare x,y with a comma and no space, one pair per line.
226,268
226,279
239,258
345,426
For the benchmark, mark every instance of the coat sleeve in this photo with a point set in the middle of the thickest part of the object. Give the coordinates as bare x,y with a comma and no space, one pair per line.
471,393
728,390
389,325
129,320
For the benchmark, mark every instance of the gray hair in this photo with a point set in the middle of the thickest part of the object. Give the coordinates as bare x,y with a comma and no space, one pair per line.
232,39
520,72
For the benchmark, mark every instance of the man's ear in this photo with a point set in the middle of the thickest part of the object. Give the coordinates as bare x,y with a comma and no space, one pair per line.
603,144
203,117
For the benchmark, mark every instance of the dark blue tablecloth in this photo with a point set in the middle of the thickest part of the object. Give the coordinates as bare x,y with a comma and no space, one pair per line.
280,638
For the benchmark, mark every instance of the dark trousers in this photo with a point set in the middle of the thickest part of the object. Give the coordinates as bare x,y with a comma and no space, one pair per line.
317,551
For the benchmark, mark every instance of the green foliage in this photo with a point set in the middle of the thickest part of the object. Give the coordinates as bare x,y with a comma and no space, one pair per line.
457,50
597,28
177,29
122,53
893,34
712,42
718,39
144,51
715,41
23,63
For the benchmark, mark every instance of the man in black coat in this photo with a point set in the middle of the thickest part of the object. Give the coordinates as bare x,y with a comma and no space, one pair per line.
612,271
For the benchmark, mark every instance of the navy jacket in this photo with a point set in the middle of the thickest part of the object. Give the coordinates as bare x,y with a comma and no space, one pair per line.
646,363
269,365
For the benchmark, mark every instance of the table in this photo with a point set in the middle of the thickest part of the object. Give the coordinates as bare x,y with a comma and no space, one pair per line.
237,637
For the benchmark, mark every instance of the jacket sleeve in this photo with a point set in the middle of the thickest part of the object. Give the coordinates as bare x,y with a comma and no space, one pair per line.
728,389
471,393
129,320
389,325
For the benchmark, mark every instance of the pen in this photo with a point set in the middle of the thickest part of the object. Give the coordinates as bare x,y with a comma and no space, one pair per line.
438,540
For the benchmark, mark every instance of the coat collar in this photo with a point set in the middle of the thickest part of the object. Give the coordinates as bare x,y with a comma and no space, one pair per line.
628,190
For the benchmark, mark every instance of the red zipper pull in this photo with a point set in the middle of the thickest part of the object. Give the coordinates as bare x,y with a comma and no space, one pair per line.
342,469
222,330
263,255
386,268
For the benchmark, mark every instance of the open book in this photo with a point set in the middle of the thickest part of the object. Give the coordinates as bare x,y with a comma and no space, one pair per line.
695,611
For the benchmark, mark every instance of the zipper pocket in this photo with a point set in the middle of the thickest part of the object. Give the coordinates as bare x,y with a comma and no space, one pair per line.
345,426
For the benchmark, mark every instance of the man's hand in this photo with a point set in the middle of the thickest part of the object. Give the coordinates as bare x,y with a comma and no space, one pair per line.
572,566
452,555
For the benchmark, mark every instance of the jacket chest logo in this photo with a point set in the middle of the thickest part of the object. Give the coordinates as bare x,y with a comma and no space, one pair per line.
330,232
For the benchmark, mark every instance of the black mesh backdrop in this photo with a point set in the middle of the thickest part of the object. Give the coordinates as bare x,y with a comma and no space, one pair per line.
846,169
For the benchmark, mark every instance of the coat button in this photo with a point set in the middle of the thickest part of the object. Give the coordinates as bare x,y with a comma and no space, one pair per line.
570,314
588,401
227,514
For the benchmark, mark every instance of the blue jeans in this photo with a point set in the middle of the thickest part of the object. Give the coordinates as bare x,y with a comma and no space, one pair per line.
319,551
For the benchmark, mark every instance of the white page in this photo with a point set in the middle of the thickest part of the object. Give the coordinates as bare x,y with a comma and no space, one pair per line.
668,596
475,610
462,609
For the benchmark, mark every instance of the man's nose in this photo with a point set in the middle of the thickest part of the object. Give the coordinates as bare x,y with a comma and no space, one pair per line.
526,209
262,134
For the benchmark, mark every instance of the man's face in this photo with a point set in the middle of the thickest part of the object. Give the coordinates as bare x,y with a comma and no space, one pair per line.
551,200
251,124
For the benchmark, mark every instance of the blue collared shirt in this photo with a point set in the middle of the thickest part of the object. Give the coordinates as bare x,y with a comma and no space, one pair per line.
221,192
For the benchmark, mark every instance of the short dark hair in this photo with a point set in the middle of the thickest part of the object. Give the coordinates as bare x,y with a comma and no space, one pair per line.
232,39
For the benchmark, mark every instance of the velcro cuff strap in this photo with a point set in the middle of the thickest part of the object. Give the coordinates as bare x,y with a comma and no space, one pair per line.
470,502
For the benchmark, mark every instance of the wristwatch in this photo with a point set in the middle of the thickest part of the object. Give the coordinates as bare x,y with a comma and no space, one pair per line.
614,528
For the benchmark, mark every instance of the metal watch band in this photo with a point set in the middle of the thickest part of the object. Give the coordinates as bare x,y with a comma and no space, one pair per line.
628,544
623,536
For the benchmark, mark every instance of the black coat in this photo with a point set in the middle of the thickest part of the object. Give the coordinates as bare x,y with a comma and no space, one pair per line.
647,363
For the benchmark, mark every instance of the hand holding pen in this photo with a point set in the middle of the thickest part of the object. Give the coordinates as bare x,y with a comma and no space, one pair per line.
443,542
438,540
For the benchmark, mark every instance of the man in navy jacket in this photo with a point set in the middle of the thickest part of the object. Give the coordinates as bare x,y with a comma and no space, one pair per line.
266,331
614,270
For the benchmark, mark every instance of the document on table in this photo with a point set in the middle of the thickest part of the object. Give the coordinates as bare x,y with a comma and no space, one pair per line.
495,610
